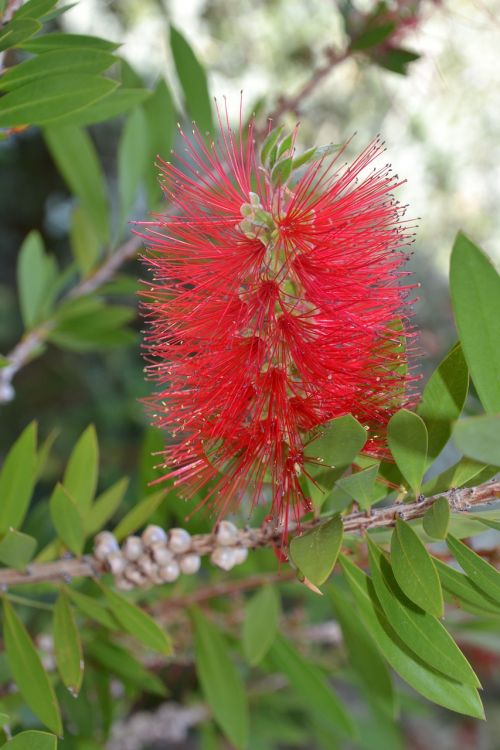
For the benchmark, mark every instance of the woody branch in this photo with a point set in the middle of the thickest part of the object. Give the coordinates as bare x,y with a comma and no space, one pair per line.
460,500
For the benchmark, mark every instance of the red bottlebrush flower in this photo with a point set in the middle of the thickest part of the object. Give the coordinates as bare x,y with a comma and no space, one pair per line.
272,311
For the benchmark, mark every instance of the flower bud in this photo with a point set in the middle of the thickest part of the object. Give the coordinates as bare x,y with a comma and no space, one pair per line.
227,534
116,563
132,548
146,565
240,555
152,535
133,575
161,554
224,557
104,544
179,540
190,564
170,572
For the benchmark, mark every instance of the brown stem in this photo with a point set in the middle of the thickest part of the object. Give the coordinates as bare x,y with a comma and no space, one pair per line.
204,544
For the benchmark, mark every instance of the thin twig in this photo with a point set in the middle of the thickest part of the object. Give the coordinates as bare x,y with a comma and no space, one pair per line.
204,544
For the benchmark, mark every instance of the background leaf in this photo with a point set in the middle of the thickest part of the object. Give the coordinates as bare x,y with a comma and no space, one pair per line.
17,479
481,572
193,80
17,549
80,476
479,438
220,682
437,519
36,272
315,552
407,436
32,740
138,623
28,672
58,61
475,294
260,624
67,645
132,160
67,519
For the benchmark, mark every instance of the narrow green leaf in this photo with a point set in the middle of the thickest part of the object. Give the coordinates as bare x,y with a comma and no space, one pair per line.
270,143
363,655
193,80
414,570
123,665
32,740
80,476
100,327
139,515
443,400
311,685
260,624
43,101
36,272
93,609
17,549
76,159
315,552
316,153
462,591
373,36
17,479
67,645
437,519
44,452
159,111
429,682
396,59
132,157
221,683
492,524
105,506
475,294
457,475
281,171
17,31
85,243
34,9
67,520
479,438
28,672
360,486
136,622
116,103
422,633
58,61
484,575
407,437
59,40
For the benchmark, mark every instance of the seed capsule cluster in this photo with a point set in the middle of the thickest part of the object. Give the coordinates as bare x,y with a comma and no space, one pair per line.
158,557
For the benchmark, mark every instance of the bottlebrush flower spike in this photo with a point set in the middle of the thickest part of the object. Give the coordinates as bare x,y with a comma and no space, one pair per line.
271,312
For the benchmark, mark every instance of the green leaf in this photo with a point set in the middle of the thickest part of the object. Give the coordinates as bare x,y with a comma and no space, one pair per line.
281,172
35,9
160,118
36,272
260,624
396,59
484,575
373,36
475,294
193,80
221,683
105,506
114,104
93,609
457,475
315,552
462,591
92,327
132,157
437,519
270,143
311,686
492,524
407,437
67,645
360,486
136,622
478,438
28,672
121,663
76,159
316,153
17,549
85,243
68,42
32,740
429,682
43,101
443,400
363,656
67,520
139,515
17,479
58,61
17,31
80,476
422,633
414,570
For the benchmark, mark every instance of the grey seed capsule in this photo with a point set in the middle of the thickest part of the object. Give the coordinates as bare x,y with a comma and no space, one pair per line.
227,534
116,563
153,534
190,564
161,554
179,540
170,572
224,557
132,548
